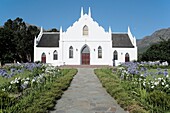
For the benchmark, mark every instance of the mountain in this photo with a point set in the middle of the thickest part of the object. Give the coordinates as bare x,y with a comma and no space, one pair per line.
146,42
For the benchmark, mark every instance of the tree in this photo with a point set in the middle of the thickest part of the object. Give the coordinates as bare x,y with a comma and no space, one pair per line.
53,30
17,40
159,51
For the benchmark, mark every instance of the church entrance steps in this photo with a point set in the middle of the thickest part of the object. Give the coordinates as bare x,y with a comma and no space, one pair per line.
84,66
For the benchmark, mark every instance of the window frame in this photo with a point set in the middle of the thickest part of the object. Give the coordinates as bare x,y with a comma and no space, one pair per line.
70,52
115,55
55,55
100,52
85,30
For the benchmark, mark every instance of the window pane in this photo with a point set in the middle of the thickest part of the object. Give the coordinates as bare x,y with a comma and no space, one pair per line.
55,55
71,52
99,52
115,55
85,30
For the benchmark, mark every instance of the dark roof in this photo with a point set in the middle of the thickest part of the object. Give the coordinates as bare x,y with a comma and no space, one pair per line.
121,41
49,40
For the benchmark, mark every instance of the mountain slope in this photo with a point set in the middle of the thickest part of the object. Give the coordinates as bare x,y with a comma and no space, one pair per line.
146,42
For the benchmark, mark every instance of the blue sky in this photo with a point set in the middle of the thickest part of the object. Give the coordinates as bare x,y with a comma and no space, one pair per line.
143,16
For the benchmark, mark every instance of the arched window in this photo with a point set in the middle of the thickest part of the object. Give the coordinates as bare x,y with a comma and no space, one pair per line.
43,58
99,52
71,52
55,55
115,55
85,30
127,58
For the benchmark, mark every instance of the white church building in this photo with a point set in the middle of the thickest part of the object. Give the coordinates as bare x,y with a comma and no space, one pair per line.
85,43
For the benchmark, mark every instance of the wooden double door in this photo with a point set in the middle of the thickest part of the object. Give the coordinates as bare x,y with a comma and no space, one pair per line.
85,56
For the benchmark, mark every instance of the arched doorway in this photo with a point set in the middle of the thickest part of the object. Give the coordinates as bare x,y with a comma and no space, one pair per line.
127,59
43,58
85,55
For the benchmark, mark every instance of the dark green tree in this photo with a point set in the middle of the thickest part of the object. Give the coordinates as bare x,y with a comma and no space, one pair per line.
159,51
17,40
53,30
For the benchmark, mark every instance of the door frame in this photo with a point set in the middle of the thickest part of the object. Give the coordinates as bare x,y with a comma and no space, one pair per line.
43,57
81,54
127,57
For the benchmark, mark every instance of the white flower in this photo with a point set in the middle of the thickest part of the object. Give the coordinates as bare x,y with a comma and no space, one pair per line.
156,83
3,89
144,83
152,87
17,81
167,86
159,79
141,75
12,82
9,87
26,82
27,78
163,83
33,80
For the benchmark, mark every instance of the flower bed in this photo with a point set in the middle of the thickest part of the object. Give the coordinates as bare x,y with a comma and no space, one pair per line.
138,87
35,89
114,87
151,87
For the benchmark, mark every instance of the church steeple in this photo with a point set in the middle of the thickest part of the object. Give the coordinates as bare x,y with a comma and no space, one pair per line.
82,11
89,12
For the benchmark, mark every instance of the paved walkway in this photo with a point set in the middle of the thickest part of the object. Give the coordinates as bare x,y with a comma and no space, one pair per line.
86,95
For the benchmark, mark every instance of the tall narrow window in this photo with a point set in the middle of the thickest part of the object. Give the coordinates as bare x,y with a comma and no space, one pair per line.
115,55
55,55
85,30
99,52
71,52
127,58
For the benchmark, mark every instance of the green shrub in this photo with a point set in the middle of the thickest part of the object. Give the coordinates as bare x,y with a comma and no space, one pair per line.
159,100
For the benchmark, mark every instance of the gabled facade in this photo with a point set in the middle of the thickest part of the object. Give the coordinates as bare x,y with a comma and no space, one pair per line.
85,43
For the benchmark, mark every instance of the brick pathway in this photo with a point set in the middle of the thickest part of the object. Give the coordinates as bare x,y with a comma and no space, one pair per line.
86,95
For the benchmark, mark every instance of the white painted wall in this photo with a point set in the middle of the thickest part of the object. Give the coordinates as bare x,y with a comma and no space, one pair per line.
121,54
49,55
93,46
